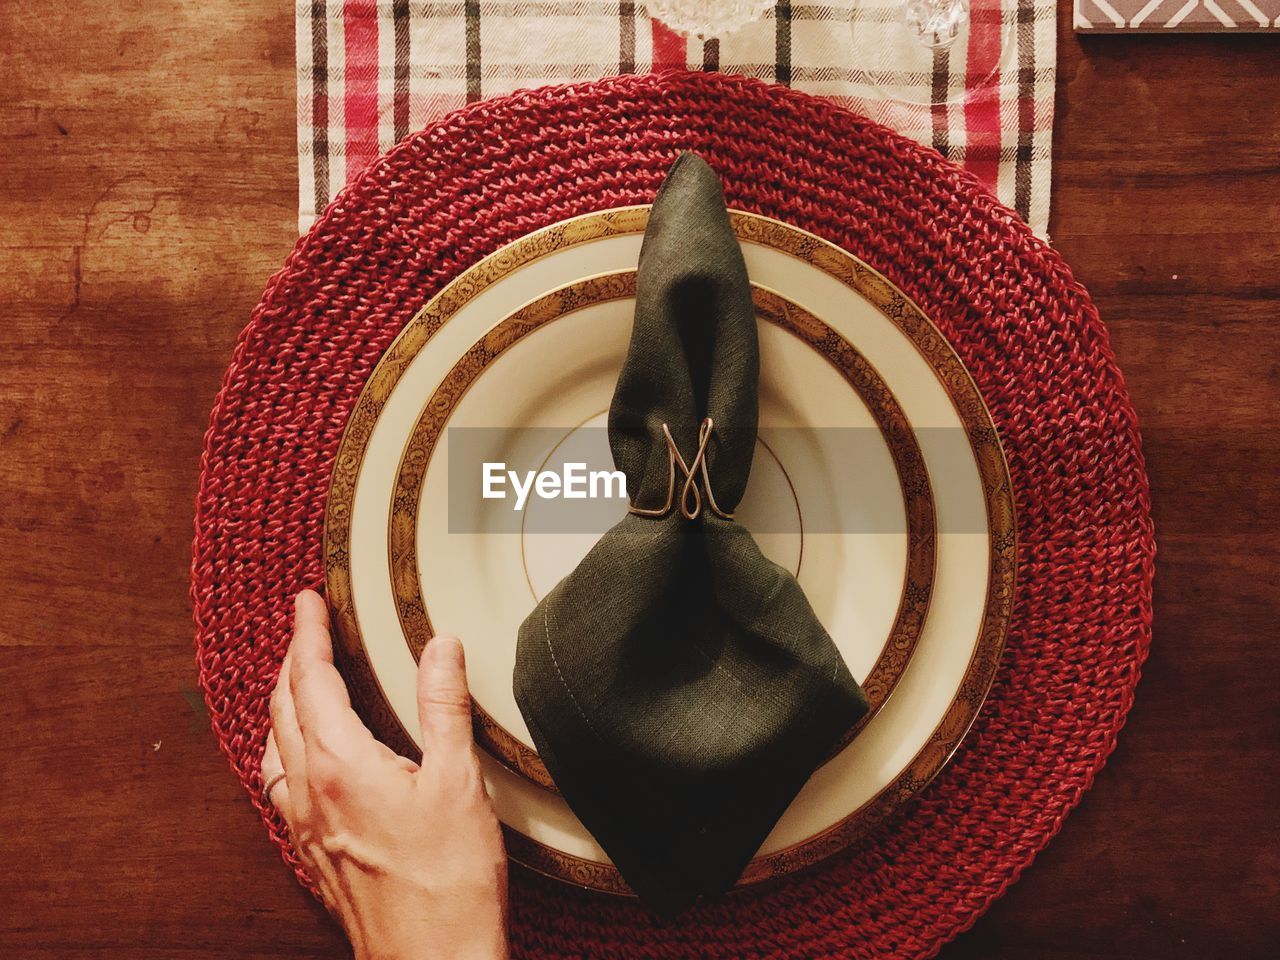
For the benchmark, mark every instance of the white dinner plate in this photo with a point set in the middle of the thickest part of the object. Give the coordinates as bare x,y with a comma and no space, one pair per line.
878,480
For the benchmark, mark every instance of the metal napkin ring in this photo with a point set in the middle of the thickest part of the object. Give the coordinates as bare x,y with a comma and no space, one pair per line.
690,471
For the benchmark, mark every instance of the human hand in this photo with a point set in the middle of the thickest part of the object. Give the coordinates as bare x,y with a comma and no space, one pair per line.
408,857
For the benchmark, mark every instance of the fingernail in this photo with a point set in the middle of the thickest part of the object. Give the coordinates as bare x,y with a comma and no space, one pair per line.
445,651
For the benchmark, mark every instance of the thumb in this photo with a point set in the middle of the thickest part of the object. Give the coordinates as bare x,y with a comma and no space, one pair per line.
444,704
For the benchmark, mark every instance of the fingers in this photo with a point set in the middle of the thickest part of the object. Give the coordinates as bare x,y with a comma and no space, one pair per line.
271,763
444,704
285,735
274,780
319,695
285,750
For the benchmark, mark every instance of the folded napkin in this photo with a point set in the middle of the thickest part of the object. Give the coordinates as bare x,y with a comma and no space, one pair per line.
677,683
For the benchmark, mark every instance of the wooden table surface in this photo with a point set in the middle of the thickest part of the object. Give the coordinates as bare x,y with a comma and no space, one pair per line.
148,189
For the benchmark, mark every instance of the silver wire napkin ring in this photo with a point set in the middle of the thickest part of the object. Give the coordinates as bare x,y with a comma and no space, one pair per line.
691,472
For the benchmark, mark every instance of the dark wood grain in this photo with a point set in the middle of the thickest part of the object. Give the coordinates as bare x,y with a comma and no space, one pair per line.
147,190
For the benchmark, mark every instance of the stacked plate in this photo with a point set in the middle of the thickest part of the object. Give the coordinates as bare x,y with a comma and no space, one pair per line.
879,481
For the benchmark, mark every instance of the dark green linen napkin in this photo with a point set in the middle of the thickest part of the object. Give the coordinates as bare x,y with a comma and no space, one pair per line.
677,684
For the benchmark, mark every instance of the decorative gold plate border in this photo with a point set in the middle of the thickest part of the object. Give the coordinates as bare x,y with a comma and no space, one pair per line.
913,480
857,276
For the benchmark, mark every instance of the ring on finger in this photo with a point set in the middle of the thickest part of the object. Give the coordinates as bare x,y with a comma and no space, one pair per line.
269,784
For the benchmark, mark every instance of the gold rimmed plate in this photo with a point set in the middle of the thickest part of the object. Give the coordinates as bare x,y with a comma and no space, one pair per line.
442,541
399,545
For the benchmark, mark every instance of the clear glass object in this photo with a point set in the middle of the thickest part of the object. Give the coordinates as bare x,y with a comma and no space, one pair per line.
936,23
929,52
707,18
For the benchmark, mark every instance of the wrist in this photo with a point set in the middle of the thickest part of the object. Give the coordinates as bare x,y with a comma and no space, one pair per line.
495,948
430,941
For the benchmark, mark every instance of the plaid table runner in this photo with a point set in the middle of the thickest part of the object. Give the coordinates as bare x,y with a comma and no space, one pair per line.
371,71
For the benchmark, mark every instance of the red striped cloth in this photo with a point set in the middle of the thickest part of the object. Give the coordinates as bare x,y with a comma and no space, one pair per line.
371,71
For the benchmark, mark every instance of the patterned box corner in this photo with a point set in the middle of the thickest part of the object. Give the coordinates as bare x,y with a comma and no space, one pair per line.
1187,16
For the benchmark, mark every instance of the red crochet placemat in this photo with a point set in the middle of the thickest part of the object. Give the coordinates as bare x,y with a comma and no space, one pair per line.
499,169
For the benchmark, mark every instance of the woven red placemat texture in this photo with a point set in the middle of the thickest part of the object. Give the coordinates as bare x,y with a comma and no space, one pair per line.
499,169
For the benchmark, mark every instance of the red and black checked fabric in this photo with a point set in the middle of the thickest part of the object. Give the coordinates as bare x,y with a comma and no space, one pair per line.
372,71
